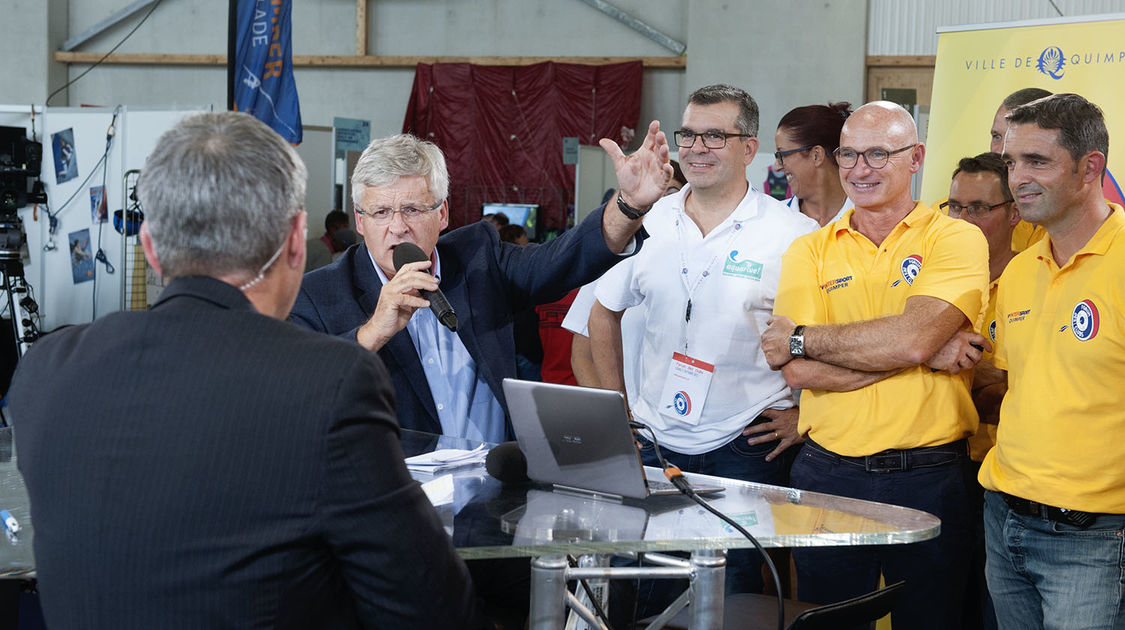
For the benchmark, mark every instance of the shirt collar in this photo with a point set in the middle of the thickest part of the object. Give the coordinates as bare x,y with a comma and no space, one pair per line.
746,209
918,215
1098,244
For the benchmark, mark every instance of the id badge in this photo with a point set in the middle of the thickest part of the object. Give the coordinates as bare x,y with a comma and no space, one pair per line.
685,391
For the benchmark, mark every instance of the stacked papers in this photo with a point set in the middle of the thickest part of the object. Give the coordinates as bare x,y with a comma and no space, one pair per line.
445,459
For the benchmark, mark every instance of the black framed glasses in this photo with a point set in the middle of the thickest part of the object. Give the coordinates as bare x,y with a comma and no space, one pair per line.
712,139
409,213
974,210
780,155
876,157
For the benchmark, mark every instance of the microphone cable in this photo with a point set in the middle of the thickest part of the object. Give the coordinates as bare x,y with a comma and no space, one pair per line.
676,476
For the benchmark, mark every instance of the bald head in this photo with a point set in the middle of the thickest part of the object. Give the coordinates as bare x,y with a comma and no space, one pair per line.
894,123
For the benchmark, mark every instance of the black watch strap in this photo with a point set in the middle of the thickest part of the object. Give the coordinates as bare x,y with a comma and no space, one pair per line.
629,211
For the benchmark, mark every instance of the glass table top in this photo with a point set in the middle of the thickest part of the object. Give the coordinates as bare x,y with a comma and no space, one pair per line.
487,519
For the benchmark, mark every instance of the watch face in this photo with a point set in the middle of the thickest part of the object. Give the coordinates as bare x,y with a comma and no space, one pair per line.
796,346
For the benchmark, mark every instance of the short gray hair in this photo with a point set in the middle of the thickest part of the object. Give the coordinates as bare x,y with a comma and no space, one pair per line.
387,159
747,121
219,194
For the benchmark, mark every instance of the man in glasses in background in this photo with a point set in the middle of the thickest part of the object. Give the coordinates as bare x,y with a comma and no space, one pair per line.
874,320
979,194
450,382
707,278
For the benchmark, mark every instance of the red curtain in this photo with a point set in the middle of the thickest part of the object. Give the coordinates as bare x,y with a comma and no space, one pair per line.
502,128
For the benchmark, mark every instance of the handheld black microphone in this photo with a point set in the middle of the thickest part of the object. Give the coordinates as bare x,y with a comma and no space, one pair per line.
507,463
408,253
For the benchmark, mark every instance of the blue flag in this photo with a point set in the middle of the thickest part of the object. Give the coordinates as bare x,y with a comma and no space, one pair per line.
263,66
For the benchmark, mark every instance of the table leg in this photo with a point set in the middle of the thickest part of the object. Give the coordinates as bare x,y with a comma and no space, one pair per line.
548,593
710,569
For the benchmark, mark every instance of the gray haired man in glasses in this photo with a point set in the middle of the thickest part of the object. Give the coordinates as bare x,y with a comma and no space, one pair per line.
874,320
448,381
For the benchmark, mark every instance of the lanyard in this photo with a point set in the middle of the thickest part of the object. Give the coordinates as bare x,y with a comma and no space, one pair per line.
690,287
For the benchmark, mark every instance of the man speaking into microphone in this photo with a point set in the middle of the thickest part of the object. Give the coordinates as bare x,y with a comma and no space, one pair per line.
447,378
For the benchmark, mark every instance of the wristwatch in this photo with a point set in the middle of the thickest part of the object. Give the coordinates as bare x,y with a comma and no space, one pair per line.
797,342
627,210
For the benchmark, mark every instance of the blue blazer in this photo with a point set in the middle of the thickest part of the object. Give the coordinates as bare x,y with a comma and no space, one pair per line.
485,280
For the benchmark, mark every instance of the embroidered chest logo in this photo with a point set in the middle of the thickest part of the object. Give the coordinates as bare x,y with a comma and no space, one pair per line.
992,331
1084,320
746,268
838,283
910,267
1018,316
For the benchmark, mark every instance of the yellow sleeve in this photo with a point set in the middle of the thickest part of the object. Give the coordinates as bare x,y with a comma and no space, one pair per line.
798,292
956,270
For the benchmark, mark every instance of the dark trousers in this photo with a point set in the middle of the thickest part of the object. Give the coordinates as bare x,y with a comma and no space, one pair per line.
935,570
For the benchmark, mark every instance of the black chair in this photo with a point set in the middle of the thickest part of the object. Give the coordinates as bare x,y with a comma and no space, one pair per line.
758,612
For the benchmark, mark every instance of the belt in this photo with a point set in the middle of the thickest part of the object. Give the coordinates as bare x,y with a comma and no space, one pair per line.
893,460
1027,507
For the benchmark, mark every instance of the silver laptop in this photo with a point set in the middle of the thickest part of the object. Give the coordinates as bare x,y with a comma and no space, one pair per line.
578,439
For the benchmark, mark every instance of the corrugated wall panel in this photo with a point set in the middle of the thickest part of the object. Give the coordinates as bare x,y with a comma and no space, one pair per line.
909,27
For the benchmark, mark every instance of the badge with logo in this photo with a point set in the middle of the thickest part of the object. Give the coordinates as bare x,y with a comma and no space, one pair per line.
1084,320
746,268
910,267
685,390
992,331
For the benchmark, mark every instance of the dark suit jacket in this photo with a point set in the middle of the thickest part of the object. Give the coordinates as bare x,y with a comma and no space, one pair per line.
204,466
485,280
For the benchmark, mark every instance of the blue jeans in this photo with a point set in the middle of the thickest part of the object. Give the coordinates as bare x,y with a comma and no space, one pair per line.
1044,574
935,570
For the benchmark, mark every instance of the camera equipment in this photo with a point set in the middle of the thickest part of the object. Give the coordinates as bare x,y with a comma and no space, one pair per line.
20,161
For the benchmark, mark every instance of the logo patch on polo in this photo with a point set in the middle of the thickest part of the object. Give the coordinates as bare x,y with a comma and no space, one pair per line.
747,268
1084,320
992,331
1018,316
910,267
838,283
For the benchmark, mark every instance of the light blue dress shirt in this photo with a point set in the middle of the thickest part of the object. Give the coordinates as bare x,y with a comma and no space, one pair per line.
466,406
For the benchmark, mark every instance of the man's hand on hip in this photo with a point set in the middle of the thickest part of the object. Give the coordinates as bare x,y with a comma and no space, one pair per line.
782,427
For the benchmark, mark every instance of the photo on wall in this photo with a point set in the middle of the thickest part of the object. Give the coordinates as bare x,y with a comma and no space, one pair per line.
98,211
66,159
81,256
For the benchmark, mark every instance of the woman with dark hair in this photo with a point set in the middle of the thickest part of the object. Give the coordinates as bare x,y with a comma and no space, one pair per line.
805,139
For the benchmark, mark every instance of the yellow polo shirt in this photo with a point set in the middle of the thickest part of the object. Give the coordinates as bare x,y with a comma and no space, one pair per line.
1060,333
836,275
985,437
1025,235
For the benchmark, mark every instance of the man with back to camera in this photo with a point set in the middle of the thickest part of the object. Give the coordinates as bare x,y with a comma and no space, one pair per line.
979,194
886,298
449,382
227,469
1055,486
707,279
1025,234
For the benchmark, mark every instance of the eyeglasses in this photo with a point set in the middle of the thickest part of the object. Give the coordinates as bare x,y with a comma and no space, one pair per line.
780,155
975,211
713,139
875,158
409,214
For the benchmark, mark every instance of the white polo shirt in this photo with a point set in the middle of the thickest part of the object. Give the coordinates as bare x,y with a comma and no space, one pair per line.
730,305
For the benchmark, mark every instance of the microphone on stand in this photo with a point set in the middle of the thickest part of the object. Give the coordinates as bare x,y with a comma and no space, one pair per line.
405,253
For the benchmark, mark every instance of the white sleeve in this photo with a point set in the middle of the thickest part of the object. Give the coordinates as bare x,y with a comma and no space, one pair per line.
579,313
617,289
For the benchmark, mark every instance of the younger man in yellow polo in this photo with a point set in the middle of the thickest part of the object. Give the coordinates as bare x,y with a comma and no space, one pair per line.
886,298
1055,510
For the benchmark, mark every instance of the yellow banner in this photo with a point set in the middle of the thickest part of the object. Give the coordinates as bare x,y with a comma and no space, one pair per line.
976,69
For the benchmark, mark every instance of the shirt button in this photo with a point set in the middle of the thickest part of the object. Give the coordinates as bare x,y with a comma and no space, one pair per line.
430,361
440,406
